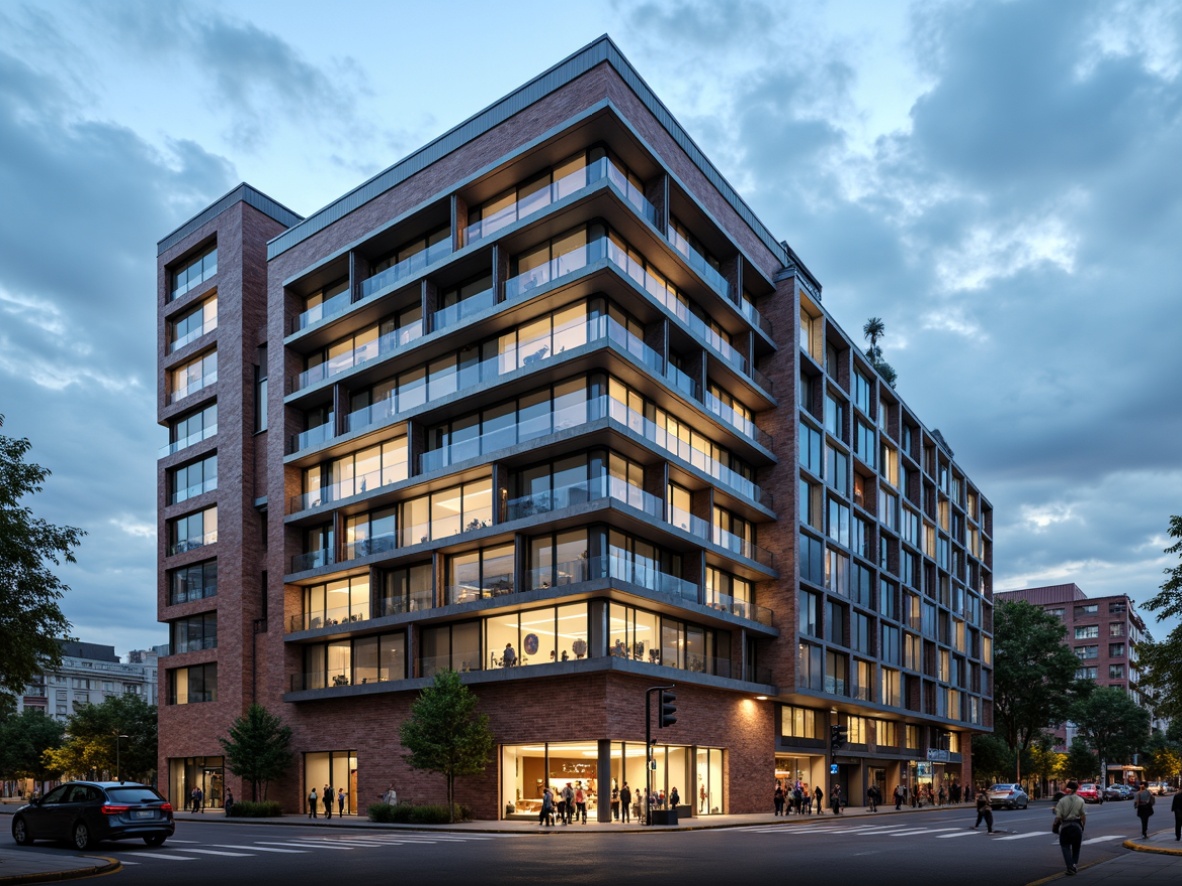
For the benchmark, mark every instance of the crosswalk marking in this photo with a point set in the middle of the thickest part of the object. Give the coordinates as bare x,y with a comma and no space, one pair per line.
260,848
218,852
1103,839
307,844
161,856
1022,836
960,834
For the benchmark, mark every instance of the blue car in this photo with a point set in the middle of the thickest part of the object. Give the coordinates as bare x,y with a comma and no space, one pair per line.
83,813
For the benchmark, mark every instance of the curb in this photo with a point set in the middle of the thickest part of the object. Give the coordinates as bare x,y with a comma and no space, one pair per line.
1156,850
110,866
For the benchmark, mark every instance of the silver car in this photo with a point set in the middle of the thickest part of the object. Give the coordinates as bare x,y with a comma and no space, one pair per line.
1008,796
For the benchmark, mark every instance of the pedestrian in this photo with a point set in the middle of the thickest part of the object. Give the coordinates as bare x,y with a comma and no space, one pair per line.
391,796
778,800
835,799
797,798
1176,808
674,799
1143,806
580,803
1071,816
229,802
984,811
567,809
626,803
546,817
198,800
702,797
313,802
900,796
873,797
326,798
818,795
615,802
341,802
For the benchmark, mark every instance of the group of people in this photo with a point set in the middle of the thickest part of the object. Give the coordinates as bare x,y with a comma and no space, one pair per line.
570,804
326,797
799,799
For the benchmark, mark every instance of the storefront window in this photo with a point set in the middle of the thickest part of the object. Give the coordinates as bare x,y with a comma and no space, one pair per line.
330,771
187,773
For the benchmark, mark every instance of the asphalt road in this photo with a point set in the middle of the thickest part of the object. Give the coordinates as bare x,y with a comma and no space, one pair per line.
875,850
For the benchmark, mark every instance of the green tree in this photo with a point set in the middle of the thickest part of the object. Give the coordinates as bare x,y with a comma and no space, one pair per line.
1111,723
1044,761
31,620
1161,662
1163,758
258,749
873,330
1034,674
103,724
1081,763
444,734
992,758
78,758
24,738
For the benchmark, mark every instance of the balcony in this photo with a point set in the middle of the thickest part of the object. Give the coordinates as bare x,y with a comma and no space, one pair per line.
366,547
408,267
341,679
382,346
319,618
740,423
740,608
193,543
179,495
343,489
699,263
560,189
462,310
192,335
193,387
195,593
491,586
311,437
312,560
326,308
195,645
741,546
191,440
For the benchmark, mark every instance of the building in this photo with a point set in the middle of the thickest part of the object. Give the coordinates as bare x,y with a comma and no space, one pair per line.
89,674
1102,632
546,404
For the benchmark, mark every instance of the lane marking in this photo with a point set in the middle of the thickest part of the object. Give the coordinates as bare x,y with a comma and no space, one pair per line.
161,856
1025,836
261,848
218,852
305,845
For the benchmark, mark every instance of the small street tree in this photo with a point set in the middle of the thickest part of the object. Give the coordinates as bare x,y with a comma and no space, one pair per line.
1081,762
24,738
444,734
122,731
1161,662
258,749
31,620
1163,758
1034,674
1111,723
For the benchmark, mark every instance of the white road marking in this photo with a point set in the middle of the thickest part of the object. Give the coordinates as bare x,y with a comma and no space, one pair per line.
260,848
218,852
961,834
305,845
1103,839
162,856
1024,836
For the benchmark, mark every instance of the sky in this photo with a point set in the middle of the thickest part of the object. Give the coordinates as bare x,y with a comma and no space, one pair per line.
1000,182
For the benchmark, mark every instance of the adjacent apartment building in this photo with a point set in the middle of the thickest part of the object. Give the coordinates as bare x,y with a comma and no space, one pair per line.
545,404
89,674
1103,632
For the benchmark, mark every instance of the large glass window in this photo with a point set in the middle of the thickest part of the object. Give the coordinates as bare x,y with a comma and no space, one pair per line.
538,636
193,479
484,572
644,636
198,373
193,582
370,533
194,323
193,684
451,647
194,633
193,531
559,559
342,601
445,513
355,662
407,589
193,272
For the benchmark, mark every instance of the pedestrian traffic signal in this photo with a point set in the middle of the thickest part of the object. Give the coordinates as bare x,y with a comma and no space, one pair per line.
837,736
667,709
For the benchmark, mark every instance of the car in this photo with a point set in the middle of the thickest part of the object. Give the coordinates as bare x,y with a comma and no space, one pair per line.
1008,796
1118,791
1089,793
84,813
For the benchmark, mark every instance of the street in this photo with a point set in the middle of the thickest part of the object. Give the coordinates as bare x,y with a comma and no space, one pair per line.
882,849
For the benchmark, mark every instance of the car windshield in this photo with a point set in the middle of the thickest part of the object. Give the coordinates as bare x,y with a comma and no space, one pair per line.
133,794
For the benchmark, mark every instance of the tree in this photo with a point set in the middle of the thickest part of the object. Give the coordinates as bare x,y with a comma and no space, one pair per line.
992,758
258,749
1161,663
1081,762
1111,723
444,734
1033,673
873,330
31,621
117,737
1044,761
24,738
1163,758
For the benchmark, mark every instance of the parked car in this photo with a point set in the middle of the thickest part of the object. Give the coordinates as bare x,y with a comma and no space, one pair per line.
1009,796
1118,791
1089,792
84,813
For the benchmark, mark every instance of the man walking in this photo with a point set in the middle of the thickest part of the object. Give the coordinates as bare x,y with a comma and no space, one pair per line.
900,796
1071,816
1176,808
1143,803
984,811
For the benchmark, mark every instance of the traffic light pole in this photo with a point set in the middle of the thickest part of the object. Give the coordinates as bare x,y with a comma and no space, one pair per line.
648,750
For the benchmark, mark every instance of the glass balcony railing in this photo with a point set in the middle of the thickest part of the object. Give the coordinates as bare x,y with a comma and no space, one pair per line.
340,679
195,645
663,584
193,542
326,308
406,268
741,546
179,495
194,593
365,547
490,586
756,319
185,442
740,608
319,618
464,309
740,423
700,264
343,489
413,601
683,519
312,560
192,335
382,346
559,189
311,437
421,533
193,386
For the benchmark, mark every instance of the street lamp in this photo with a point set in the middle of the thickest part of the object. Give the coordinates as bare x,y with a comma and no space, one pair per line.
118,762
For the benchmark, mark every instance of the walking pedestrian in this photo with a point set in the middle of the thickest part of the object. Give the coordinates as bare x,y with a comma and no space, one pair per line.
873,797
778,800
546,816
313,803
984,811
900,796
567,809
198,800
1143,806
1071,817
341,802
326,798
1176,808
819,795
228,804
835,799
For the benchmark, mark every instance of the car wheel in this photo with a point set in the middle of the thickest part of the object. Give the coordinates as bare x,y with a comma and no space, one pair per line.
20,831
81,835
155,840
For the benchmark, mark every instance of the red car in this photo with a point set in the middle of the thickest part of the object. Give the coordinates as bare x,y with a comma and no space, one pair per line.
1089,793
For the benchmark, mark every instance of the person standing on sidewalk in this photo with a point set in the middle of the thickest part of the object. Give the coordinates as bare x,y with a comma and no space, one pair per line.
900,796
313,801
819,795
626,803
1071,816
1176,808
984,811
1143,804
327,800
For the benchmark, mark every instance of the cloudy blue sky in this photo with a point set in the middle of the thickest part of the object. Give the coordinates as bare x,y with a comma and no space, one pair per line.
1001,182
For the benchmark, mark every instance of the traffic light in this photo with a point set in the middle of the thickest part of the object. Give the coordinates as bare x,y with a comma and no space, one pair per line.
667,709
837,736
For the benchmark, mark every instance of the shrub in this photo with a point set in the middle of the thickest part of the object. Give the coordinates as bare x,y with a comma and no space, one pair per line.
262,809
409,813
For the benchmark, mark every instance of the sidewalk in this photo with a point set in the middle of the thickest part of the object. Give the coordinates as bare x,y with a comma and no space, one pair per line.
1155,859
